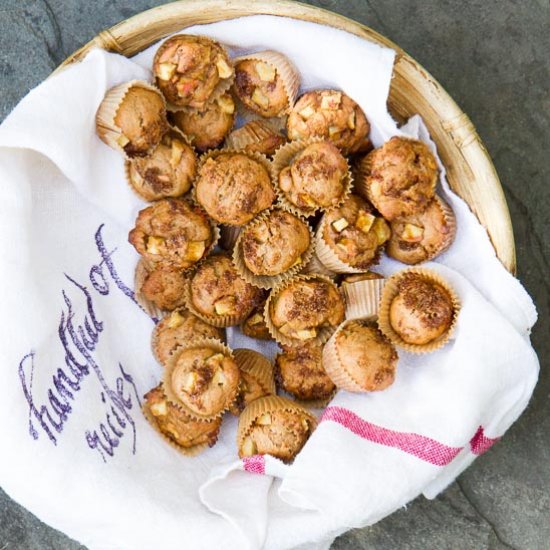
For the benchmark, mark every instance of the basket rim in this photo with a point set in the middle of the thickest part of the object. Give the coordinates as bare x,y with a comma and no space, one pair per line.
470,170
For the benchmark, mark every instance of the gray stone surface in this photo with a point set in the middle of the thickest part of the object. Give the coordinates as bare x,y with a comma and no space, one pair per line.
493,59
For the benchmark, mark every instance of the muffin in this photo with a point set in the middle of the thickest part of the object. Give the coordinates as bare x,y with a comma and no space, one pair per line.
255,137
362,293
300,372
254,325
219,295
179,328
167,172
206,128
132,118
192,70
311,176
399,178
202,379
359,358
186,434
272,247
330,114
266,83
163,286
256,378
421,237
350,238
304,308
234,187
275,426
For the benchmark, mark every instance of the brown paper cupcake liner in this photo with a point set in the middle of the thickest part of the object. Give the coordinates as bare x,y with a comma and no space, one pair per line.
316,267
106,128
362,298
362,173
288,73
141,273
450,222
212,343
269,281
255,131
390,292
245,116
228,236
283,157
323,333
258,366
269,403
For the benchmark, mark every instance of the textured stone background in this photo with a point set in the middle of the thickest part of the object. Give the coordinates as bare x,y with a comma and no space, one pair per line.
492,56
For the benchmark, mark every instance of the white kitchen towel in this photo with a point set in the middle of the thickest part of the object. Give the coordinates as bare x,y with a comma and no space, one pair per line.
76,358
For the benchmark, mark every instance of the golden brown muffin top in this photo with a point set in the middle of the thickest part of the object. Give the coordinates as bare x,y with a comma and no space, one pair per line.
358,277
178,328
300,372
167,172
355,233
316,177
422,310
366,355
141,117
205,380
423,236
173,232
233,188
165,287
304,306
333,115
260,87
401,177
275,244
188,68
206,128
256,137
172,422
217,289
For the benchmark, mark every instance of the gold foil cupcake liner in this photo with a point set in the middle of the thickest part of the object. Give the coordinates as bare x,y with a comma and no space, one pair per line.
170,366
283,157
362,298
141,274
258,366
251,133
107,130
269,404
228,236
316,267
286,70
269,281
390,292
323,333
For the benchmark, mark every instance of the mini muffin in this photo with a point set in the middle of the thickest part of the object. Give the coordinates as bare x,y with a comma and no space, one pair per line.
164,286
254,325
304,308
317,177
184,433
255,137
399,178
219,295
202,379
421,237
351,237
132,118
167,172
300,372
180,328
358,357
206,128
191,70
332,115
234,187
172,232
256,378
362,293
275,426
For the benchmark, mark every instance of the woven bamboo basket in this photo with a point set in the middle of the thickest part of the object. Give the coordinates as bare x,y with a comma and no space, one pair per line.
470,170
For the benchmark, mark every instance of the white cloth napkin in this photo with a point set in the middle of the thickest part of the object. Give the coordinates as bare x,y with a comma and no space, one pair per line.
76,360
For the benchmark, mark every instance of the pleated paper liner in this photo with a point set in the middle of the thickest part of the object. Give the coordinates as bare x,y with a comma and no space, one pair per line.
450,222
390,291
362,298
323,333
170,366
269,281
134,178
223,85
258,366
228,236
286,70
283,157
316,267
269,404
252,134
186,451
141,274
362,174
106,127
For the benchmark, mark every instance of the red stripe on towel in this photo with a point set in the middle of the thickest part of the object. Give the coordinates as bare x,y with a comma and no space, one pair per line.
254,464
480,443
